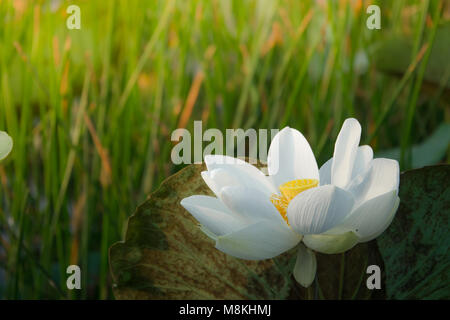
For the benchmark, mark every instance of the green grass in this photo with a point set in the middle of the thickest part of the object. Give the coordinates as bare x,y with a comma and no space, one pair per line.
91,111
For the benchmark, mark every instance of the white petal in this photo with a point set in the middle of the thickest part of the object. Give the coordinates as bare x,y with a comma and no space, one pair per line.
240,173
325,172
318,209
305,266
6,144
364,157
251,204
217,161
290,157
206,175
371,218
383,176
331,244
221,178
212,214
387,223
208,232
345,151
262,240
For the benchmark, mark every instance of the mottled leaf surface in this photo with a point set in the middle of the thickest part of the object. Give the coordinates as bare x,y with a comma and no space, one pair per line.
166,256
415,248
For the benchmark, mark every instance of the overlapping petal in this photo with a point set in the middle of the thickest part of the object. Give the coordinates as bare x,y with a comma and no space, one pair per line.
345,151
212,214
259,241
325,172
379,229
219,161
363,159
226,171
290,157
319,209
383,176
330,243
250,204
370,218
220,178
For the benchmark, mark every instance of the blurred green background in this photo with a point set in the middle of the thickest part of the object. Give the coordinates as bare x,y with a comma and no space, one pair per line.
91,111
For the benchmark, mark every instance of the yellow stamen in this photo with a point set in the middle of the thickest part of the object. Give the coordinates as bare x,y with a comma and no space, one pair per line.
292,188
288,192
281,203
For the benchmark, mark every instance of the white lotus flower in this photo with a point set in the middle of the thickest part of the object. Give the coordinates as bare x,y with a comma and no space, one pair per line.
6,144
352,198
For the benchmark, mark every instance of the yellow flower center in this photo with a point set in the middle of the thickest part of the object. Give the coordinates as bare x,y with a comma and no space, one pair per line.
288,191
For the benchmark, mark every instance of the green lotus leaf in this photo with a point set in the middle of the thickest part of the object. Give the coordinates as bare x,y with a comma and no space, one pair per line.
415,248
165,255
429,152
394,56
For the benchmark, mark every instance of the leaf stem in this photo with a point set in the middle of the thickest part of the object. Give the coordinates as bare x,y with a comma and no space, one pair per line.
341,277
